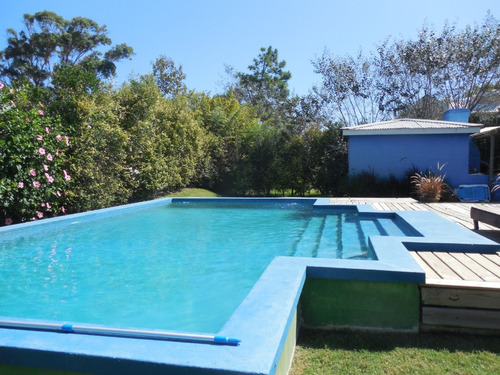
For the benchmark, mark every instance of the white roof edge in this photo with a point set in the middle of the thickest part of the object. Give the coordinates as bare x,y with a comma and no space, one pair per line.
468,130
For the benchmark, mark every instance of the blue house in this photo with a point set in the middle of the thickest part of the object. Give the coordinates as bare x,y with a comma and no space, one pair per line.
393,148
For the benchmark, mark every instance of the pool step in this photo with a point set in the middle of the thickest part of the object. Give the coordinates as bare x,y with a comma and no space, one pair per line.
355,240
307,246
331,244
390,227
340,236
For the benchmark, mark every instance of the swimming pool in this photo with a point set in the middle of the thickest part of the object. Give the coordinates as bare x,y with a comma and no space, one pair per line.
160,267
266,321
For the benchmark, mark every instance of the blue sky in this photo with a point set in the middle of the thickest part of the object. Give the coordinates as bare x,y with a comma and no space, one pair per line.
203,36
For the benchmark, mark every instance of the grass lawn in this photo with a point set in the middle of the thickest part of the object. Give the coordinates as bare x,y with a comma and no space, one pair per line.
320,352
192,192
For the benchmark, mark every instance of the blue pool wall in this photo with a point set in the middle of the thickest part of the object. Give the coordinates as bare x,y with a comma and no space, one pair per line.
265,320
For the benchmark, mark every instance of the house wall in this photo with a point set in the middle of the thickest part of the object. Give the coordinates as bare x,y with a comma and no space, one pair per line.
395,155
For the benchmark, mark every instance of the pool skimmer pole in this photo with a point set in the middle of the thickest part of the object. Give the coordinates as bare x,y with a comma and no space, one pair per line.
119,332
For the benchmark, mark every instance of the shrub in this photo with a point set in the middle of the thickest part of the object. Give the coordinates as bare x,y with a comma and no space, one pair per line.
369,184
430,186
34,172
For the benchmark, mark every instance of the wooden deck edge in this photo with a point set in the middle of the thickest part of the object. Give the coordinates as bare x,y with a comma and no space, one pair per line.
458,297
460,317
460,283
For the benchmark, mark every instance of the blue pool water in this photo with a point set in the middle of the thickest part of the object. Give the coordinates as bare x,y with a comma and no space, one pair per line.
182,266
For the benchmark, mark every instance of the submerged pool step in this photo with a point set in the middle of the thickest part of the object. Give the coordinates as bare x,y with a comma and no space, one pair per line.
307,246
370,227
341,236
390,226
331,242
354,237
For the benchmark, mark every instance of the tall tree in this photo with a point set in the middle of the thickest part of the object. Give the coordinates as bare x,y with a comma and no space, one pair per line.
49,41
413,78
472,63
348,89
266,86
168,77
454,66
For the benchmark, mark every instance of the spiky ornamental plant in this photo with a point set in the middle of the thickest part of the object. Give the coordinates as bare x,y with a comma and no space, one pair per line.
430,186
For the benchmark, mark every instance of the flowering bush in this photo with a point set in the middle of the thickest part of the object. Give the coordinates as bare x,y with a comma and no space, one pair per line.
34,168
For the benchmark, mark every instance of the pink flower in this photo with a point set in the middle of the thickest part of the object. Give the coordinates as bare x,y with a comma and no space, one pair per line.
39,214
58,193
11,91
67,140
45,167
36,184
63,210
49,157
48,205
20,185
39,138
40,112
59,138
32,172
12,102
8,221
27,119
1,85
42,204
41,151
33,219
49,178
41,104
47,130
67,177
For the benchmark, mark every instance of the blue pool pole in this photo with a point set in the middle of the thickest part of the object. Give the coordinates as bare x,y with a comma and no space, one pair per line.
118,332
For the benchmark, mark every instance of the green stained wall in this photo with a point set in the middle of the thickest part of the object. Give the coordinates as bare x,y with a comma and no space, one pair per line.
328,303
21,370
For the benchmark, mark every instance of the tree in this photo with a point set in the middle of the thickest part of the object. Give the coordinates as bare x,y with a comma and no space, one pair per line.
472,63
168,77
266,86
455,67
49,41
227,124
348,89
417,78
166,143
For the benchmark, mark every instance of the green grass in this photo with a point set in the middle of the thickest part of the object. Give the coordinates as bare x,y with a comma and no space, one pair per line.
288,193
193,192
320,352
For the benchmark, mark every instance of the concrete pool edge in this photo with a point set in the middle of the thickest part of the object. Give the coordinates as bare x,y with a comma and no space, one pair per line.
262,321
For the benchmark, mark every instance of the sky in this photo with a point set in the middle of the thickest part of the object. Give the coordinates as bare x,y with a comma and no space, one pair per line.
206,36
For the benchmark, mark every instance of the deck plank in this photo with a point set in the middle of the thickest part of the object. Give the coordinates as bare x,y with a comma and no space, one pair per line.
487,265
495,258
429,272
439,267
457,266
466,318
480,298
377,206
479,270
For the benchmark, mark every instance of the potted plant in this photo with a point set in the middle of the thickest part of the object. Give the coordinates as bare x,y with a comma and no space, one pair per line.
429,186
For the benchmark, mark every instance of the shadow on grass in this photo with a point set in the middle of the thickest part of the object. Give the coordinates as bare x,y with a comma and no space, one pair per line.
377,342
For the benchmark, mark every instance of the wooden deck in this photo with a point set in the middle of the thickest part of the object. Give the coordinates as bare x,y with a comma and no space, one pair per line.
462,290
